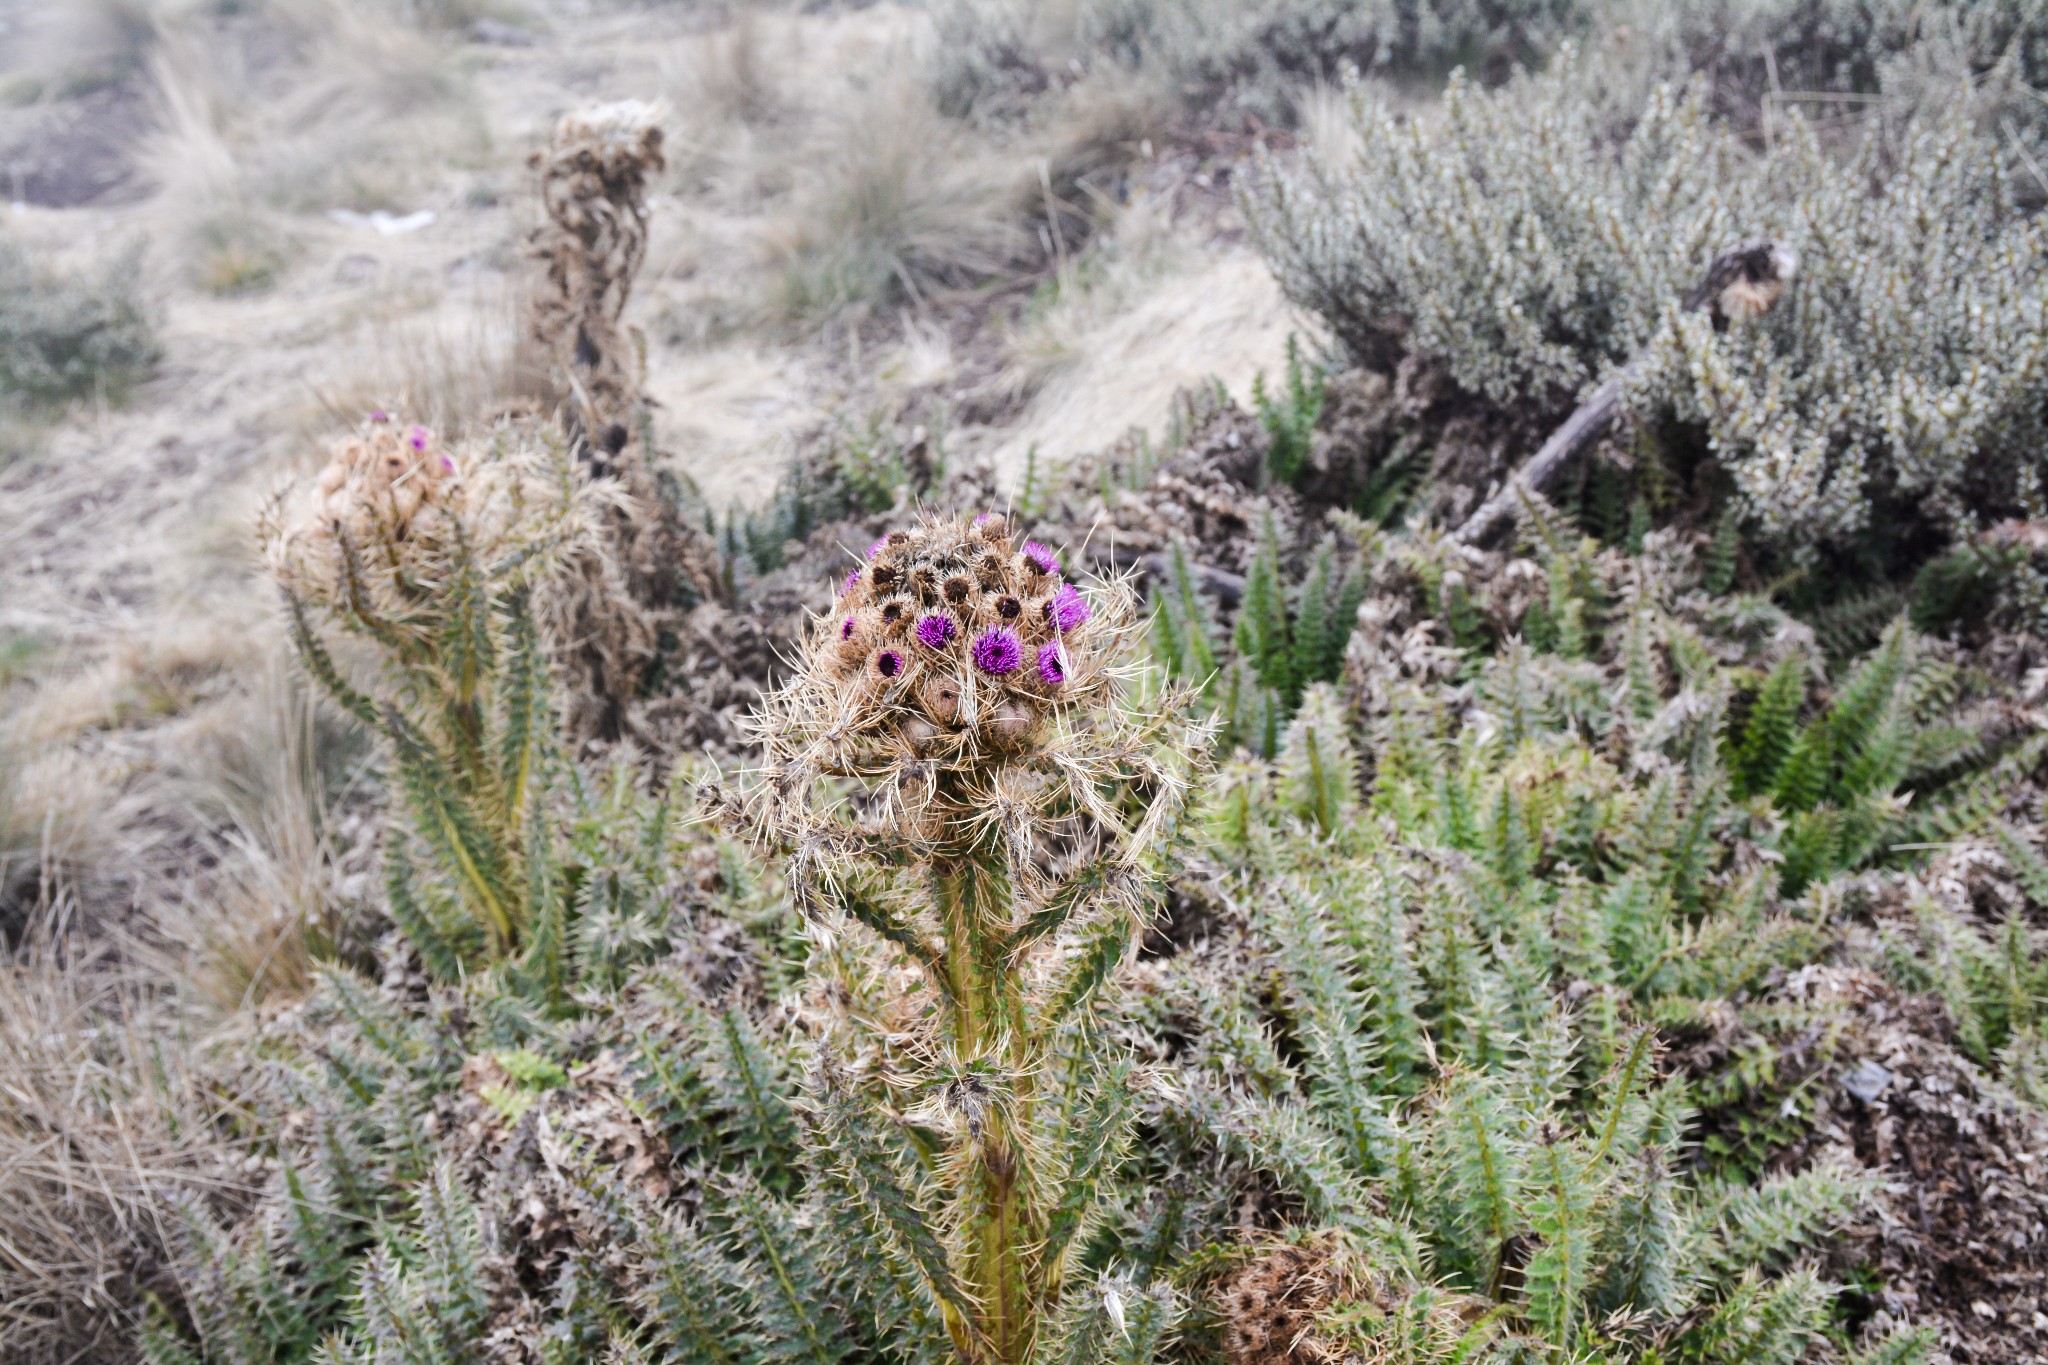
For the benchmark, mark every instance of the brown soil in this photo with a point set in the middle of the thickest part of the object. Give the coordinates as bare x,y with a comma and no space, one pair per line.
1958,1239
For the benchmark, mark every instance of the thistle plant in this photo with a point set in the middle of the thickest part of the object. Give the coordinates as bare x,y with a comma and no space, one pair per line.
960,768
449,565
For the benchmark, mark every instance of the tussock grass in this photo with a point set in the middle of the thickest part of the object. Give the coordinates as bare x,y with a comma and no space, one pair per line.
59,818
99,1135
267,774
449,368
889,206
359,112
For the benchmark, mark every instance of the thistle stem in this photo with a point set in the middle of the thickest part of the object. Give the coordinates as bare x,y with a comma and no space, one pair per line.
972,895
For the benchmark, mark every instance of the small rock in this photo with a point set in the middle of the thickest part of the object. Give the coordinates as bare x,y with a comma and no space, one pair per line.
1866,1081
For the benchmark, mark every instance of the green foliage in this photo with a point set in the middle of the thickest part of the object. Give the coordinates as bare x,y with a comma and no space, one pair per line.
1284,641
66,337
862,468
1840,779
1325,607
1184,624
1263,635
1290,420
1992,977
1318,768
508,856
1535,1155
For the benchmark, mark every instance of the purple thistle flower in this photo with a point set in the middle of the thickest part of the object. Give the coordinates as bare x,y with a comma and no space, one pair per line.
447,464
998,651
1052,663
1040,558
379,415
888,663
1067,608
846,629
877,547
852,582
417,438
935,631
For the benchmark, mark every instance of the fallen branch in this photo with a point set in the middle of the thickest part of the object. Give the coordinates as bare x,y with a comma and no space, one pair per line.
1742,283
1226,587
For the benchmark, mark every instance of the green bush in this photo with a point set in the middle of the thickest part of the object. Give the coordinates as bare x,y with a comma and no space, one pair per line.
66,337
1441,1046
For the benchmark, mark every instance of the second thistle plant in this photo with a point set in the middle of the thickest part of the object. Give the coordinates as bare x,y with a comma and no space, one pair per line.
957,767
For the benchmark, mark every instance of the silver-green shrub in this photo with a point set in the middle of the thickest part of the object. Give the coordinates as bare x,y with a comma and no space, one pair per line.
1243,52
1909,366
70,336
1529,241
1504,238
1811,51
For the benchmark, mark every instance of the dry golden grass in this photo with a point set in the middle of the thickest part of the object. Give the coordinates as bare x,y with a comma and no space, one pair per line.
266,776
449,368
890,205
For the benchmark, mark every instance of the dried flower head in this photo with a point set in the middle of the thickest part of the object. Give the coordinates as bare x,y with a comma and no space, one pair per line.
593,178
394,521
380,479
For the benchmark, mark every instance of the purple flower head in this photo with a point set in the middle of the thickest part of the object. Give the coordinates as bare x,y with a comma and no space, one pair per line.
852,582
417,438
1040,558
379,415
998,651
935,631
1067,608
846,629
447,464
877,547
1052,663
888,663
984,517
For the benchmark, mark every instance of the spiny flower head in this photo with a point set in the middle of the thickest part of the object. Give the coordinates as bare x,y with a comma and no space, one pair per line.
954,646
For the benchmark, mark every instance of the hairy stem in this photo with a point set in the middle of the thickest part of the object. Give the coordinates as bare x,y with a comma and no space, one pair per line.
972,894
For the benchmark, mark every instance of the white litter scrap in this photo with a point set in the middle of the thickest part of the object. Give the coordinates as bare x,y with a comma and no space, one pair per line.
384,224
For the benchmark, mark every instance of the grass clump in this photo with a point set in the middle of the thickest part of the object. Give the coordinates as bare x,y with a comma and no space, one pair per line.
887,209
